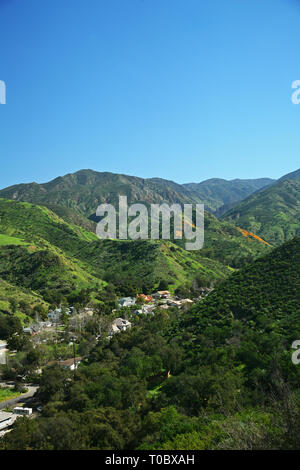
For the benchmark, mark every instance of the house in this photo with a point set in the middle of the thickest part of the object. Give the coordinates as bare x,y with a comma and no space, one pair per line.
146,310
144,298
119,324
126,302
28,330
5,420
68,363
71,364
19,410
162,294
55,315
33,329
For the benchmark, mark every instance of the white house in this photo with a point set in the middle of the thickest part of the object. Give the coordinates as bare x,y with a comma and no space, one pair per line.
119,324
146,310
126,302
19,410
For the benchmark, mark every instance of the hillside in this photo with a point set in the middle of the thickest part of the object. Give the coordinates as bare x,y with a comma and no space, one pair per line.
295,175
42,252
84,190
75,197
19,301
218,376
219,195
267,288
273,214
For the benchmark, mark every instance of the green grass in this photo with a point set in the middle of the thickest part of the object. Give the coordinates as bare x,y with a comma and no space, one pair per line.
8,394
7,240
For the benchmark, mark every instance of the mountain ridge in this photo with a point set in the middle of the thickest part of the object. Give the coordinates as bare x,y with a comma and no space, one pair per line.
85,189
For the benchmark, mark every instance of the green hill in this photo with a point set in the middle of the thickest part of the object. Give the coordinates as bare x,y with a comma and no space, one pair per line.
83,191
273,214
75,197
55,258
19,301
218,376
219,195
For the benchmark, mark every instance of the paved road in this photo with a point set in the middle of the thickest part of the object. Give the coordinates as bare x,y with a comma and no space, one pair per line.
13,401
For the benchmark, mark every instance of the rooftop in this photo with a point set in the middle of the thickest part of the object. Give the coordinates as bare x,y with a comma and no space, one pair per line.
4,416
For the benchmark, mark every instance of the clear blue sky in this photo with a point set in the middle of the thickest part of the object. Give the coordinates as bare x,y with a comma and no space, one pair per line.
182,89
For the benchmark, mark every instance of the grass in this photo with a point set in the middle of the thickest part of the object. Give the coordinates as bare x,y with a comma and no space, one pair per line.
8,394
7,240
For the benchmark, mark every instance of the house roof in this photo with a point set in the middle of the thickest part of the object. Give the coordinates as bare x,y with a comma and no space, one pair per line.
120,322
4,416
145,297
70,362
67,363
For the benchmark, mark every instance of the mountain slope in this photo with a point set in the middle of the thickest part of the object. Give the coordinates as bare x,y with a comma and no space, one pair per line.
55,258
84,190
19,301
218,376
295,175
219,195
75,197
273,214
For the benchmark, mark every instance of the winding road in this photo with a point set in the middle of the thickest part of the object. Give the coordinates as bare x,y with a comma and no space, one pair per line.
13,401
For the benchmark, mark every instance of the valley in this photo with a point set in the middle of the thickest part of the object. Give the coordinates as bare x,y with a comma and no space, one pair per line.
153,346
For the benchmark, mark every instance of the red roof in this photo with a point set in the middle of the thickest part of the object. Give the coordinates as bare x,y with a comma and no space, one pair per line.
147,298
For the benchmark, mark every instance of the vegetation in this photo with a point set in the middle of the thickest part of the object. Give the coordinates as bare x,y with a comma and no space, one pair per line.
273,213
219,195
8,393
55,258
219,376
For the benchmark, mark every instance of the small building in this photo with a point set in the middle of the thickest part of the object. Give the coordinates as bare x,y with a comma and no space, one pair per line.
175,303
28,330
126,302
5,420
71,364
119,324
19,410
68,363
162,294
144,298
55,315
145,309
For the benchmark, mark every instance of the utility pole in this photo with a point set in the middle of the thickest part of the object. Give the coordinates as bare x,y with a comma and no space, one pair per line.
74,354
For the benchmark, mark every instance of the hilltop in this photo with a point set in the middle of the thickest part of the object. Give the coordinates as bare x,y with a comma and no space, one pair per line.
83,191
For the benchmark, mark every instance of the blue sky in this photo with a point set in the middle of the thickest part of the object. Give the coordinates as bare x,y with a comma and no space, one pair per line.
181,89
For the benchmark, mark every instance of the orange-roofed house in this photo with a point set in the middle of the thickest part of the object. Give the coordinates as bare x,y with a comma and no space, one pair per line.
144,298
